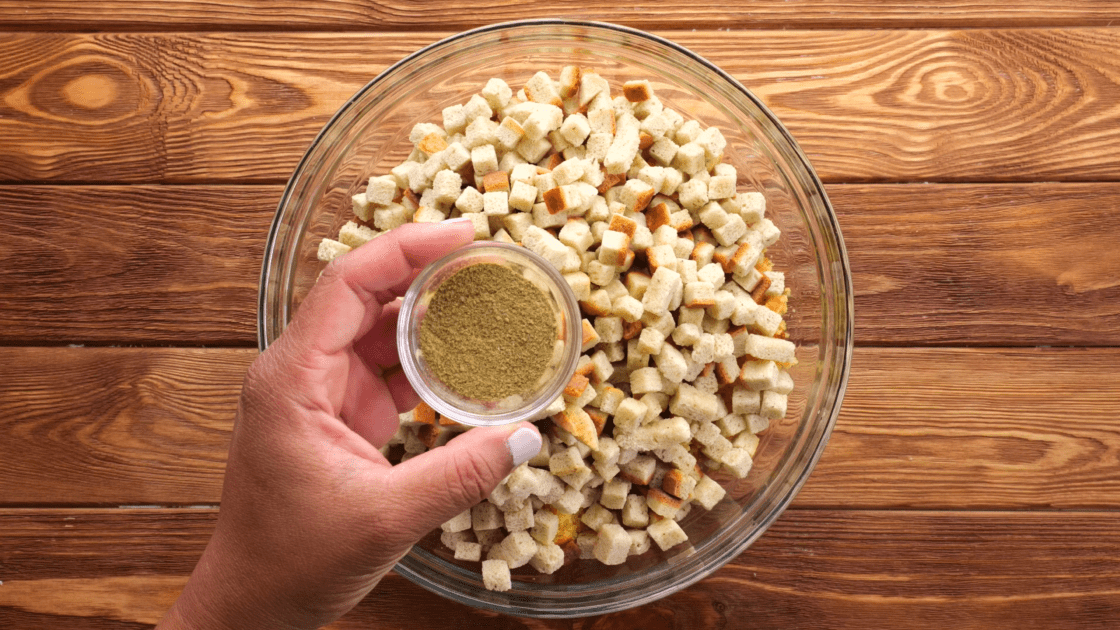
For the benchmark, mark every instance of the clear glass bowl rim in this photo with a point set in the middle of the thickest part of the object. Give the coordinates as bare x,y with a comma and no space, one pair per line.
413,565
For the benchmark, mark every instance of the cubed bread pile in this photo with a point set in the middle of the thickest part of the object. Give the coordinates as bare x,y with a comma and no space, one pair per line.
685,355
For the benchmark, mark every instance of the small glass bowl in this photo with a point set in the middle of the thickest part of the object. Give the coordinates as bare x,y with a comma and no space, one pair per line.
447,401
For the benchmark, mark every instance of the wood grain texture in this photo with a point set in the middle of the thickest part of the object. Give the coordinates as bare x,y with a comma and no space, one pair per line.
122,264
813,569
894,105
397,15
931,264
920,428
117,425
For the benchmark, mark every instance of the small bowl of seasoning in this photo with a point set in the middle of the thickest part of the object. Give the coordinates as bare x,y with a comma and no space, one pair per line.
489,334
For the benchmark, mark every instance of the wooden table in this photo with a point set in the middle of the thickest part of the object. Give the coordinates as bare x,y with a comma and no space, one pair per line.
973,156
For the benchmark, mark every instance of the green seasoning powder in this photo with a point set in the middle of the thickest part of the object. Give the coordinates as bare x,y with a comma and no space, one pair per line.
488,332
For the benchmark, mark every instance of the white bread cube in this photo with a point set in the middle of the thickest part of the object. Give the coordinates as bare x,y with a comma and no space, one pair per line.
458,523
577,234
724,344
732,424
660,292
519,519
638,470
746,441
663,151
569,502
729,233
355,235
706,433
542,121
671,364
693,194
508,134
628,308
469,200
784,384
596,516
684,246
656,403
667,534
639,541
614,494
522,196
759,375
545,525
662,256
362,207
541,89
456,156
650,341
757,424
630,411
708,492
635,512
484,159
737,461
699,295
678,484
497,93
566,462
645,380
447,186
516,549
745,401
602,274
625,145
721,187
718,449
662,322
485,516
469,551
381,190
454,119
770,349
533,149
579,282
692,404
767,231
636,195
609,329
751,206
495,575
477,107
548,559
480,132
598,144
329,249
773,405
575,129
586,543
602,369
690,159
766,322
612,545
614,248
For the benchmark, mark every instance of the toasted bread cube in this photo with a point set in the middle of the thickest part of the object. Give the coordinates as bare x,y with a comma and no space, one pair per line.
766,322
745,401
773,405
707,492
662,503
596,516
614,247
599,303
660,292
329,249
612,545
746,441
628,308
541,89
671,364
576,233
609,329
690,158
699,295
495,575
729,233
636,195
727,369
637,90
678,484
614,493
635,512
569,502
693,404
575,421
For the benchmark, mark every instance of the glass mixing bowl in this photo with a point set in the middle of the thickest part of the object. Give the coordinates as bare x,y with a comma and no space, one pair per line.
369,135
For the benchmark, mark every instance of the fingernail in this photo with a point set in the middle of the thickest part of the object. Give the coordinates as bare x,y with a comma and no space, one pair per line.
455,221
523,444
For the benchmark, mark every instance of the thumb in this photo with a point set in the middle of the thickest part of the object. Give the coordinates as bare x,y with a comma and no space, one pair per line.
431,488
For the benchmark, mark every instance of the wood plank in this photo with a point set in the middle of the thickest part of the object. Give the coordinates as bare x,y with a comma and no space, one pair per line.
931,264
894,105
117,425
812,569
398,15
126,264
920,428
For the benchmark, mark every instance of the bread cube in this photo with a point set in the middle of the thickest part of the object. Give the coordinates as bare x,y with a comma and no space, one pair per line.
548,559
631,412
486,515
692,404
495,575
773,405
614,248
459,523
746,441
520,519
770,348
545,525
329,249
566,462
678,484
612,545
667,534
638,470
671,363
708,492
645,380
569,502
516,549
737,461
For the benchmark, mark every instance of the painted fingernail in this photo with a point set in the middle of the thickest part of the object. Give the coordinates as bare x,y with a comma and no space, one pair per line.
523,444
456,221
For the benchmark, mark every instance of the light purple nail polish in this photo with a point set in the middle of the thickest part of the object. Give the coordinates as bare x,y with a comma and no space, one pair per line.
523,444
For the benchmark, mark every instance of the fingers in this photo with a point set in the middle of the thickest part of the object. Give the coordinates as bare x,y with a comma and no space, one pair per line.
379,345
429,489
344,304
368,407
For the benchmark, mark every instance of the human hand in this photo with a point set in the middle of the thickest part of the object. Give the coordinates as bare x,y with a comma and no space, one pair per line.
312,515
